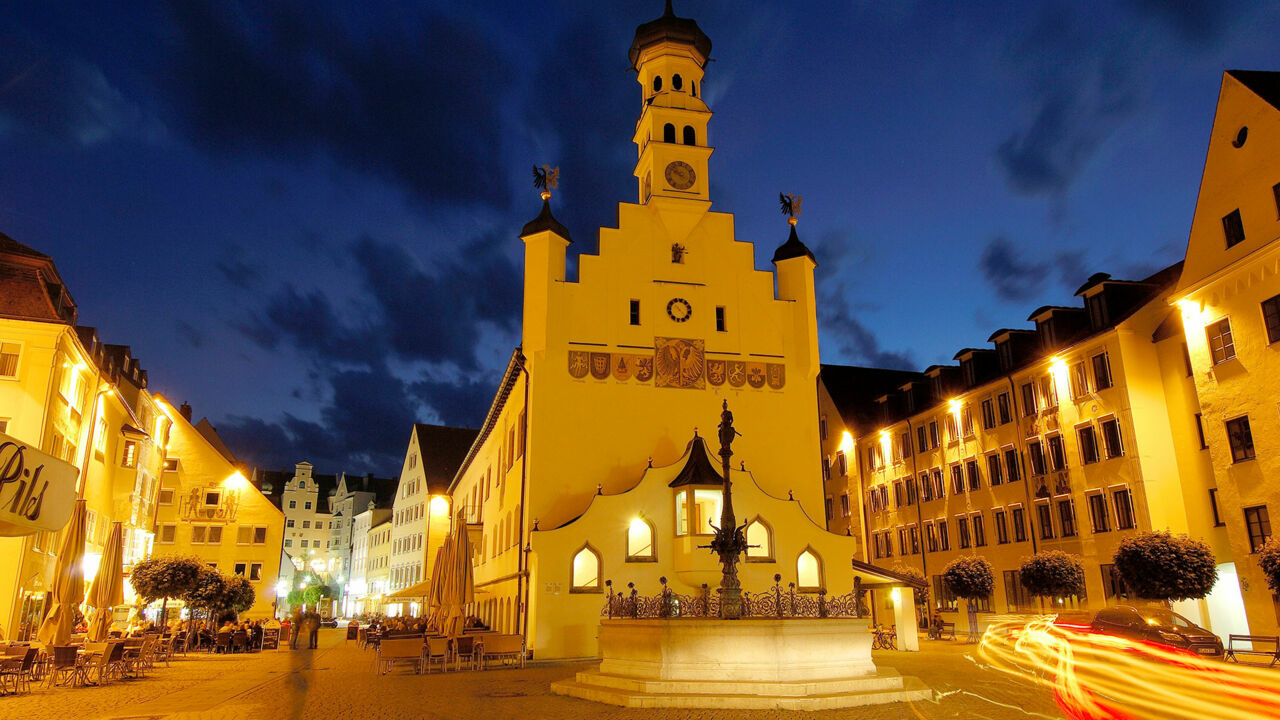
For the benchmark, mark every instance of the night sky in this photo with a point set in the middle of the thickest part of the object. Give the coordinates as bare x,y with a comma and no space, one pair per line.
303,215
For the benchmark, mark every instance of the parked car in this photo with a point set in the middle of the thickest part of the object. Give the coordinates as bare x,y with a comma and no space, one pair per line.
329,623
1146,624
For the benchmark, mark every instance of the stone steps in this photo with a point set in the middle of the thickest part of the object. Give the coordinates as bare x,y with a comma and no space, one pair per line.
886,686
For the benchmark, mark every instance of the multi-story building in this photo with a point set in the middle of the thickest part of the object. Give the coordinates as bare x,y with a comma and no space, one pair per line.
377,565
421,510
208,508
1229,302
1071,436
355,494
68,394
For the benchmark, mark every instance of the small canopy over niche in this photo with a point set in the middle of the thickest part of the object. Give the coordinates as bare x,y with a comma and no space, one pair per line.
699,496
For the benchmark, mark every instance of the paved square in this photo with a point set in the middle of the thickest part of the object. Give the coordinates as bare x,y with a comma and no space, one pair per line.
338,682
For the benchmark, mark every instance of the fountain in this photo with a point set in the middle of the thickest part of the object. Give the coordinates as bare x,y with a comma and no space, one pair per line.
784,652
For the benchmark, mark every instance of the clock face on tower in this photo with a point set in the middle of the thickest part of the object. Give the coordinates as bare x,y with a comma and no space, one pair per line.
680,175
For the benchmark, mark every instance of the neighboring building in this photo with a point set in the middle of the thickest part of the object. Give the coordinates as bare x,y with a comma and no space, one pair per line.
1229,297
65,392
420,517
590,465
358,586
354,494
377,563
1071,436
208,508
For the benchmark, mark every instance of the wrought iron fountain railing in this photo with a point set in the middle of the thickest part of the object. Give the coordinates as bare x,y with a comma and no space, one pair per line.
777,602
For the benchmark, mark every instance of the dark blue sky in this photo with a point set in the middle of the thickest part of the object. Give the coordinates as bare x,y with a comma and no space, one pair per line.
303,216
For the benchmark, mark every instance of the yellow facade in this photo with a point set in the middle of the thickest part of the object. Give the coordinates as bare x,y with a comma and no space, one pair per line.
64,391
209,509
1228,298
377,564
618,367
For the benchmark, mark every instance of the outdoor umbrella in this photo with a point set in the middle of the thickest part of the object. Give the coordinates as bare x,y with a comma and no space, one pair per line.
107,589
459,583
68,582
436,587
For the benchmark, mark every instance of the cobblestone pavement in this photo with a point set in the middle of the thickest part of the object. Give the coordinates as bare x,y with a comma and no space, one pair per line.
338,681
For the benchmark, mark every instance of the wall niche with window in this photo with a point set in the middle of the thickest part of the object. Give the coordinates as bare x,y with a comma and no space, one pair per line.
585,571
759,541
640,545
809,575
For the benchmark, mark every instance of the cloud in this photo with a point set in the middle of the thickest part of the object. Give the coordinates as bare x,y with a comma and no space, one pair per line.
837,315
1199,23
54,95
189,334
1081,81
237,272
1018,279
415,103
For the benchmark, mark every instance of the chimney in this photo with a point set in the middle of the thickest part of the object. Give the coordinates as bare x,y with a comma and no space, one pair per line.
185,410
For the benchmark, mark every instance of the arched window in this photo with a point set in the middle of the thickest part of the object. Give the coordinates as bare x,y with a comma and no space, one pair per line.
759,541
690,137
677,82
693,89
669,133
640,541
586,571
657,83
808,571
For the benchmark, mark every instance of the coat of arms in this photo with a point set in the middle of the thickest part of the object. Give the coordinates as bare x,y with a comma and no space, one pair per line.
599,365
579,363
716,372
643,367
755,375
680,363
622,367
776,374
736,372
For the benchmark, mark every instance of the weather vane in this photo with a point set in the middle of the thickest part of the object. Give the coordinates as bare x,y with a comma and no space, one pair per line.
790,206
546,179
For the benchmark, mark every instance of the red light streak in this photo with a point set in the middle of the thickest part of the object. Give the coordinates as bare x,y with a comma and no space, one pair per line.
1103,677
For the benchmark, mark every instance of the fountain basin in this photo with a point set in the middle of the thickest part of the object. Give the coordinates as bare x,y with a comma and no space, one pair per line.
795,663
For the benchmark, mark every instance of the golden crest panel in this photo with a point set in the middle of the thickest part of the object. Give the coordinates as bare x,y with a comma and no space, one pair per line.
679,363
579,363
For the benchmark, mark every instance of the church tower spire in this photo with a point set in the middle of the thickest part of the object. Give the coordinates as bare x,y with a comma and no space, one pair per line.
669,56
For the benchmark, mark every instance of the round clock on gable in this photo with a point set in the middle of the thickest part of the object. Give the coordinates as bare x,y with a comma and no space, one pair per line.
680,175
679,309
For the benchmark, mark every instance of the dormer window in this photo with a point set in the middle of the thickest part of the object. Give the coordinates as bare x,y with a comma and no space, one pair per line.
1045,329
970,374
1004,350
1098,315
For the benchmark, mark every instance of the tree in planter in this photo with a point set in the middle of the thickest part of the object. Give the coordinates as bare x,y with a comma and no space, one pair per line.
238,595
1051,574
162,578
313,594
970,578
921,591
294,598
1159,565
1269,561
209,592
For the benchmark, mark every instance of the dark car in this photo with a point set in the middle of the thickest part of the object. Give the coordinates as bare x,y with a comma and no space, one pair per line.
1147,624
329,623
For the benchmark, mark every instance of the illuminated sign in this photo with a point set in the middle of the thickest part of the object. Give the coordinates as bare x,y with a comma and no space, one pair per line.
37,491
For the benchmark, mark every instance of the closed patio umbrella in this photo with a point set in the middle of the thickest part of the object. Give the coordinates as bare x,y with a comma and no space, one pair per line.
436,588
68,581
107,589
459,582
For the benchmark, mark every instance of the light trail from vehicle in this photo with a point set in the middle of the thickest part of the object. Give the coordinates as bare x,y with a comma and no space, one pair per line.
1104,677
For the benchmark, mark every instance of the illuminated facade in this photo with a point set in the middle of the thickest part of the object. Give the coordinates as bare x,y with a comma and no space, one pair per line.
587,467
1229,299
64,391
420,518
208,508
1068,437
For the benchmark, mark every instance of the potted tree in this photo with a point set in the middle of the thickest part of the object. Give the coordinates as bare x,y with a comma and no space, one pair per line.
1052,573
1159,565
970,578
1269,561
161,578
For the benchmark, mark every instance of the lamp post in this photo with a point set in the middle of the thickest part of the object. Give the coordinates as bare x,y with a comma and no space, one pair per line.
729,541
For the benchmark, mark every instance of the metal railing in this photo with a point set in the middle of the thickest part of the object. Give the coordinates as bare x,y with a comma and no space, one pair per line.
776,602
